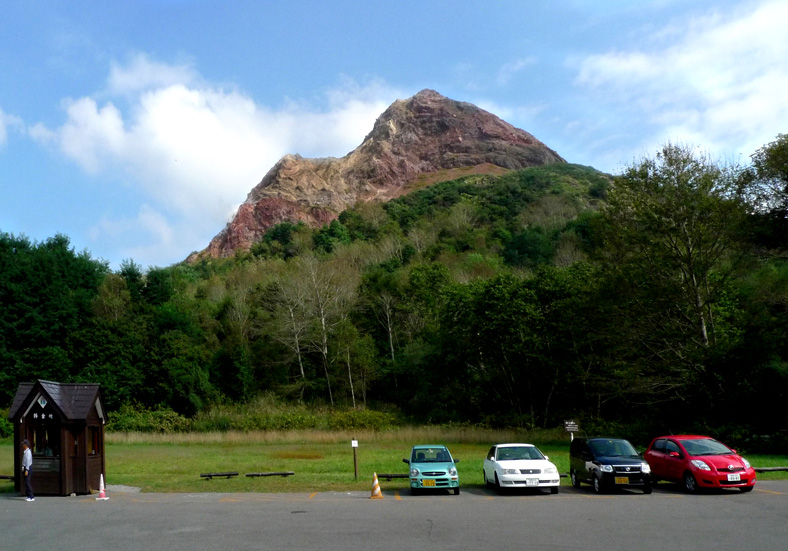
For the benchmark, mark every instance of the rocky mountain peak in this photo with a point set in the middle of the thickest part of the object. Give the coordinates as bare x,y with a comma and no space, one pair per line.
421,140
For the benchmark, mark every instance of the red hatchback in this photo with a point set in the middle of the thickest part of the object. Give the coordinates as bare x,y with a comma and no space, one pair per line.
698,462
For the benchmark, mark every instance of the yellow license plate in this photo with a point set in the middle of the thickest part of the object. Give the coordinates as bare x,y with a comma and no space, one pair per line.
622,480
428,483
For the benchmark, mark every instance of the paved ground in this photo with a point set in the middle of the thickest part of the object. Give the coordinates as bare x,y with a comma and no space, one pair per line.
477,519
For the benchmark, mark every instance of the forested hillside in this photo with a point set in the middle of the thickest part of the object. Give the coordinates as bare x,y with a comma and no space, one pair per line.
657,297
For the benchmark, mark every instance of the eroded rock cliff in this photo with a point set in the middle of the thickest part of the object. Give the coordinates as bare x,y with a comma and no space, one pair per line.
415,142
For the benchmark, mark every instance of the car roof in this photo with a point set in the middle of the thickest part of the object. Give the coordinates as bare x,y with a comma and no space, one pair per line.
686,437
428,446
606,438
514,445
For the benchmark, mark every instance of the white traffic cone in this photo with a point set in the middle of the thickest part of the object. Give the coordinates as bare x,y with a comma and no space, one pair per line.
102,495
376,493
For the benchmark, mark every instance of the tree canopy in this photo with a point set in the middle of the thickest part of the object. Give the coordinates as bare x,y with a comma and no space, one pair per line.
513,300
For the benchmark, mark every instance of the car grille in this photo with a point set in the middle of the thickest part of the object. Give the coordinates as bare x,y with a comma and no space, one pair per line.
434,473
733,470
626,469
530,471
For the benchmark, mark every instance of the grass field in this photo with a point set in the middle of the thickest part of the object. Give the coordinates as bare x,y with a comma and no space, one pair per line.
322,461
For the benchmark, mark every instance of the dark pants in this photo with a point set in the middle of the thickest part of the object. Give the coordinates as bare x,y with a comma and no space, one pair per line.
28,482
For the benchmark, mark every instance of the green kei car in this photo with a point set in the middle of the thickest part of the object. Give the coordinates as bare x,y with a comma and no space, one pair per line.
432,467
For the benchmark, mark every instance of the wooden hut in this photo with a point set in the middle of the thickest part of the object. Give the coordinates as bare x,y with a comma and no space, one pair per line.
64,423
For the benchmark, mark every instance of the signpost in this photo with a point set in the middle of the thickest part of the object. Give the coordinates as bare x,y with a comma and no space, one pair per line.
354,445
571,427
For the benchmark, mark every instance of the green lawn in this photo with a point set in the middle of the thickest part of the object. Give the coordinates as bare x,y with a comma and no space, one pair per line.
321,462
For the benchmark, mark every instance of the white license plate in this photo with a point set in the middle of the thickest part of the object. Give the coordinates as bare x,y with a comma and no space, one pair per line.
734,478
532,482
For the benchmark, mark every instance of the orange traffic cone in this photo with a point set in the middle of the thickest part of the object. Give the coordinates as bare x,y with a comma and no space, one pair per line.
376,493
102,494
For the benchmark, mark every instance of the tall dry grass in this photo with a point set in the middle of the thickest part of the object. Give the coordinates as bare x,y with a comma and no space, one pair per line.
420,434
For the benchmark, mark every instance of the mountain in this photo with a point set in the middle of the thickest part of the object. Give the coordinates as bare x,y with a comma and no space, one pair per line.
416,142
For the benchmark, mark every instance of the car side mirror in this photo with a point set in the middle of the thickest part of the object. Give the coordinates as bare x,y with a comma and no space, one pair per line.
546,457
675,454
406,461
734,451
456,460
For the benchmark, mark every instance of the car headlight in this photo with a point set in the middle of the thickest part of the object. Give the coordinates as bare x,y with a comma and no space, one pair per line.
452,471
551,470
746,463
606,468
510,471
700,464
646,468
414,472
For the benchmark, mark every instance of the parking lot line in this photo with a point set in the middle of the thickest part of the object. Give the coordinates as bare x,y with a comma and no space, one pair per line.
769,492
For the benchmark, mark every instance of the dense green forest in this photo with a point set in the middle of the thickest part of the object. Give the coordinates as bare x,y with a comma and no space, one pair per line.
658,296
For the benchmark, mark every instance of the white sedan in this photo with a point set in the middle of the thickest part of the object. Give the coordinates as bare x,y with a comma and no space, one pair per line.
519,466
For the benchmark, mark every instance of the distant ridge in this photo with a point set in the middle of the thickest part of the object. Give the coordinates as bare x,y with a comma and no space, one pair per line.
415,142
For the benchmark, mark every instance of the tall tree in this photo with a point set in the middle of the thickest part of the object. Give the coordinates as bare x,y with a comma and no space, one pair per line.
677,217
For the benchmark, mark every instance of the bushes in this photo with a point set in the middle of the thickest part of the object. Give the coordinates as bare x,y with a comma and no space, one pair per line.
266,413
6,428
138,419
361,419
294,417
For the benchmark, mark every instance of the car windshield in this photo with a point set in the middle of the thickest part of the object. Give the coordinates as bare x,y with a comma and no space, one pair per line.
515,453
613,448
706,446
430,455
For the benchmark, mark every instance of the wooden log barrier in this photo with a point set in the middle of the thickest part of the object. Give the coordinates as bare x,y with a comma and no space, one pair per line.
209,476
282,474
390,476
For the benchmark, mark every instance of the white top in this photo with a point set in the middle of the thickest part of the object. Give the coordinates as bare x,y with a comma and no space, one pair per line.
27,459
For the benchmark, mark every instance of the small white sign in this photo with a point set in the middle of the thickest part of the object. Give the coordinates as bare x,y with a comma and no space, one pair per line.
354,443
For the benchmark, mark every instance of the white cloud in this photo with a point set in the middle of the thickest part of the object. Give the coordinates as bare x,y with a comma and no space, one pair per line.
7,121
717,80
193,150
148,235
142,73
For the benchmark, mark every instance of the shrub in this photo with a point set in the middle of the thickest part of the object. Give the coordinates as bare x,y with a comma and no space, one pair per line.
138,419
6,428
361,419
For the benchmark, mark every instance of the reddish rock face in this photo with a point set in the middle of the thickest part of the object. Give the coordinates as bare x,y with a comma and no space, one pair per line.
410,142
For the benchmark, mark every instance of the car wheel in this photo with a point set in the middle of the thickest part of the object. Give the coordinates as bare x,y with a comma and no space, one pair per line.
553,490
597,485
575,480
690,484
647,489
456,491
746,489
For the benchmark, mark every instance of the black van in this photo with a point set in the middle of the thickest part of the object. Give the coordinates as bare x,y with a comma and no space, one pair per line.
607,463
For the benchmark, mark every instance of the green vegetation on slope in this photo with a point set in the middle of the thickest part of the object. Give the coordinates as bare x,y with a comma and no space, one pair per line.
656,298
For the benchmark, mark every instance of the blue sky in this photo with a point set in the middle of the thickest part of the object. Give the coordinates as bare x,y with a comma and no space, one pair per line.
136,127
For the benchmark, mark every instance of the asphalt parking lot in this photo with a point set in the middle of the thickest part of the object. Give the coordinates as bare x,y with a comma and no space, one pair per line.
478,518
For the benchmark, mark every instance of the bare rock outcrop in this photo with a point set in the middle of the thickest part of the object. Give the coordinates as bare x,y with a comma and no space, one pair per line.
417,141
